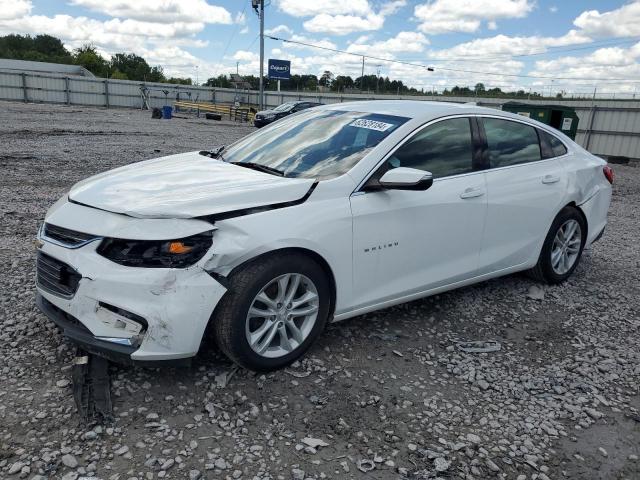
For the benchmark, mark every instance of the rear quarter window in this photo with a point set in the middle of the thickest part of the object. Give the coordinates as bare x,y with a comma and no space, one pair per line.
554,146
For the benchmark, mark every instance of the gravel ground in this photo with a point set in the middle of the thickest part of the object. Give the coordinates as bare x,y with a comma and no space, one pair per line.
385,395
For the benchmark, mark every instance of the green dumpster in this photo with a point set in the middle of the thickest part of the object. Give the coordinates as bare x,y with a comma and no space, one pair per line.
558,116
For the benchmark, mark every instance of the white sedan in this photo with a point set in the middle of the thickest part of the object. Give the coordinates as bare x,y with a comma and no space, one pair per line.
328,214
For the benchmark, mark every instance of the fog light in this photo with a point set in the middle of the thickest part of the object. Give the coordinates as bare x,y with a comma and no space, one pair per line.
120,319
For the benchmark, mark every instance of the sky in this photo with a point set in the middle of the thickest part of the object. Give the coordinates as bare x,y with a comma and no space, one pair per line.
543,45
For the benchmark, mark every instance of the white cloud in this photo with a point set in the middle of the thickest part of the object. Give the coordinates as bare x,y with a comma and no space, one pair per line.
10,9
278,30
340,17
441,16
503,45
159,11
553,9
392,7
621,22
604,64
246,56
244,30
402,42
301,38
112,34
303,8
343,24
492,25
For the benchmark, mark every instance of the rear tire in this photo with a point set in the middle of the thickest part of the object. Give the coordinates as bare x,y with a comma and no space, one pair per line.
263,322
562,248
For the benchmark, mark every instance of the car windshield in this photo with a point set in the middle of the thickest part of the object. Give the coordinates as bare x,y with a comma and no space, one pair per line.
315,144
284,107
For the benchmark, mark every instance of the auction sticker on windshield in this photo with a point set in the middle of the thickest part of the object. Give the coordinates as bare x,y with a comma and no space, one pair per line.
371,124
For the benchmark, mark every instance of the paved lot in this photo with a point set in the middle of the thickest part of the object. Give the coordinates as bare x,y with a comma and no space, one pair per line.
386,395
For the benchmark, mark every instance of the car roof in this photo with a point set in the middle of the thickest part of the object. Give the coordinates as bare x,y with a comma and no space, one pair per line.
417,109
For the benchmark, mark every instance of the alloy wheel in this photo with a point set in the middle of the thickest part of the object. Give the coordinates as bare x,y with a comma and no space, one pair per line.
566,247
282,315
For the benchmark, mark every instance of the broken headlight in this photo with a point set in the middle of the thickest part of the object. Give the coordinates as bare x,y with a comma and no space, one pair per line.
179,253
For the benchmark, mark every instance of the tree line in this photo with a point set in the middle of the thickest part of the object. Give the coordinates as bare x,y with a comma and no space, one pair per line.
367,84
46,48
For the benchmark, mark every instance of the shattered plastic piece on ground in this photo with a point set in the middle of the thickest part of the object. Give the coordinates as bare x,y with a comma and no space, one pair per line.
366,465
92,388
314,442
536,292
223,379
293,373
387,337
480,346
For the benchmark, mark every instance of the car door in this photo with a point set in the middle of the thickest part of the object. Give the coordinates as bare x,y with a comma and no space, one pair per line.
406,242
525,192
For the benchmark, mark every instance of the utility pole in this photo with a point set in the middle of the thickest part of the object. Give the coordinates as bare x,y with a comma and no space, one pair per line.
261,54
237,68
362,76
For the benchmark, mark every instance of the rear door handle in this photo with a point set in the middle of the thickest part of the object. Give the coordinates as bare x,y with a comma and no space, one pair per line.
472,192
550,179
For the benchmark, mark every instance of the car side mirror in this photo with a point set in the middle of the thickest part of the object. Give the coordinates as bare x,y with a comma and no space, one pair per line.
404,178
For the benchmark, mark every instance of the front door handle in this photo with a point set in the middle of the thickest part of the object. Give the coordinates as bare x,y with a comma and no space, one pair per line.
472,192
550,179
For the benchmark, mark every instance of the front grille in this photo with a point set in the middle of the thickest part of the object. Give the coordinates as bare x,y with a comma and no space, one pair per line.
55,276
66,237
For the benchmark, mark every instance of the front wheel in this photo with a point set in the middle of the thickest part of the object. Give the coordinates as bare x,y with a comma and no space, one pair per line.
273,311
562,247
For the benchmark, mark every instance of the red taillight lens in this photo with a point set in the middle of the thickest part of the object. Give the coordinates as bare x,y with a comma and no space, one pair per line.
608,172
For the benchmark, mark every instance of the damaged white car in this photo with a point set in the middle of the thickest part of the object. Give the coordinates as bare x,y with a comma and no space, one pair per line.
322,216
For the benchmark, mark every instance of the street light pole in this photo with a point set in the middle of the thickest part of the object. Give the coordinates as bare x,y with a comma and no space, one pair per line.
261,54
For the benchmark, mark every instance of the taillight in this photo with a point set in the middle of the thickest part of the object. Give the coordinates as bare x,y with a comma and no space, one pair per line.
608,172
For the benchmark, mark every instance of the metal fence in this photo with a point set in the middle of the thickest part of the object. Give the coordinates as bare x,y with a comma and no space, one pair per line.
606,127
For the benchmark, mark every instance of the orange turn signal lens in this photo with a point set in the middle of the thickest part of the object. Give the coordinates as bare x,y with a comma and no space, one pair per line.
179,248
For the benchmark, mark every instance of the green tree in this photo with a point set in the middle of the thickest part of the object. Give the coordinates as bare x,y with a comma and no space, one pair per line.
118,75
41,48
341,82
135,68
88,57
179,81
326,79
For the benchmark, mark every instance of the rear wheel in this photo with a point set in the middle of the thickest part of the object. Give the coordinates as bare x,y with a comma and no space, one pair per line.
273,311
562,247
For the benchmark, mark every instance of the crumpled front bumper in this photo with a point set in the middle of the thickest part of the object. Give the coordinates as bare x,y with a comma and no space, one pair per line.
128,314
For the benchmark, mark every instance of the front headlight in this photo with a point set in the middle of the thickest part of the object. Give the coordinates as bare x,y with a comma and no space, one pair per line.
179,253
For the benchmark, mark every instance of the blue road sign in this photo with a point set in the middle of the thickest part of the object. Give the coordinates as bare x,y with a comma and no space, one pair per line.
279,69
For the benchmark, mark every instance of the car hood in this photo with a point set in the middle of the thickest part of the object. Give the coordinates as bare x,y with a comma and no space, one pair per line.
186,185
270,112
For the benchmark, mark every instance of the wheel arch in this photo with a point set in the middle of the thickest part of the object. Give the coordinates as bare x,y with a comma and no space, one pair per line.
315,256
584,217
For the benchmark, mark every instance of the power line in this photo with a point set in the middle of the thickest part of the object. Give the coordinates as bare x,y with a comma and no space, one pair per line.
448,69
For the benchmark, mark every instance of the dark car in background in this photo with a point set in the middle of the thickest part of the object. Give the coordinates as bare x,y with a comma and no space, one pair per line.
265,117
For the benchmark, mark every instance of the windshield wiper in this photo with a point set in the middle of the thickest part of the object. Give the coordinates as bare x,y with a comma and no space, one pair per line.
260,168
214,152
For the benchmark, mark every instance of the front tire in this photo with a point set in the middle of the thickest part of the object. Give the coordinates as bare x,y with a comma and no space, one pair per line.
274,309
562,248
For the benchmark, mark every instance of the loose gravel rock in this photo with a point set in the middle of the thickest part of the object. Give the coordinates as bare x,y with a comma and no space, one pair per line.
385,395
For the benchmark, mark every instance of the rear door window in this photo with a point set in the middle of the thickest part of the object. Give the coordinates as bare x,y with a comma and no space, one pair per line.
511,143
